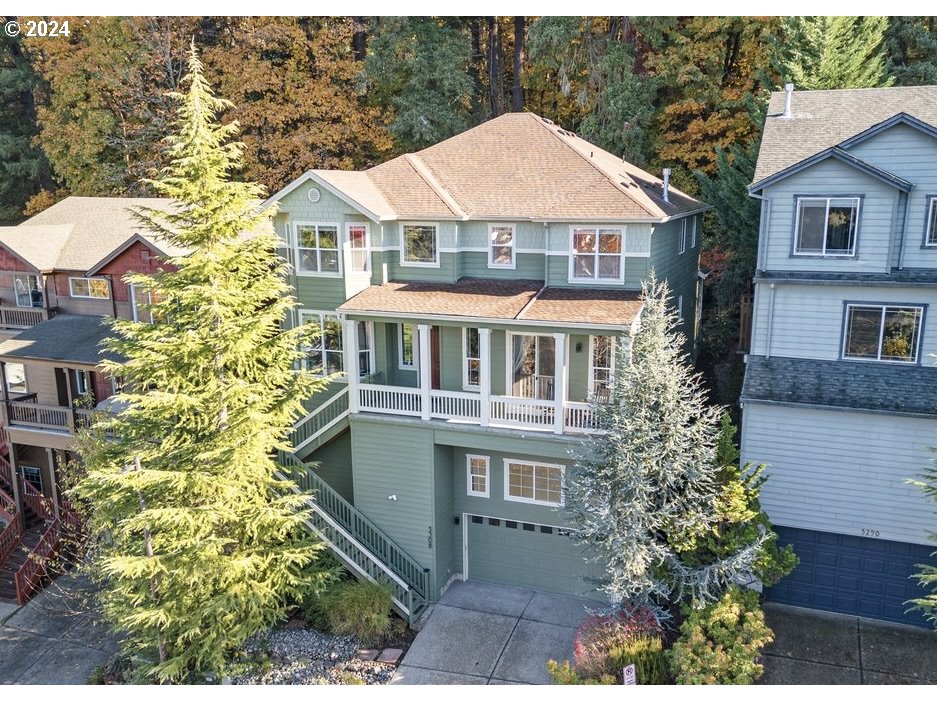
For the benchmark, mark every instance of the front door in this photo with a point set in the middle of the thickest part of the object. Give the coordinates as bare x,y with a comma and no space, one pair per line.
434,358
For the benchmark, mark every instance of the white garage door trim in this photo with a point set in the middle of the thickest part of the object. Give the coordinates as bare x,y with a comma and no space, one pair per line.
465,539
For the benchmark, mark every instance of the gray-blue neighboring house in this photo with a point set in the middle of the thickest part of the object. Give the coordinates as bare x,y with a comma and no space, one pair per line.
840,391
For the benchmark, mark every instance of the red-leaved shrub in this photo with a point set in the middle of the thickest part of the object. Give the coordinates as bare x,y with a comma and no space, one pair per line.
601,633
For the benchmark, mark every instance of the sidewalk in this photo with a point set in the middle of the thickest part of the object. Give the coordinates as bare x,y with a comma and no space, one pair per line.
819,648
52,639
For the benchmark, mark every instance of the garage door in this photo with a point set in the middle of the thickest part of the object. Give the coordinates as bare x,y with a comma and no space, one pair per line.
534,556
852,575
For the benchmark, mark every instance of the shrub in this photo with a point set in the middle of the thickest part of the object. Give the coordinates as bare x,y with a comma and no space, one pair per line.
605,644
314,605
721,643
564,674
362,609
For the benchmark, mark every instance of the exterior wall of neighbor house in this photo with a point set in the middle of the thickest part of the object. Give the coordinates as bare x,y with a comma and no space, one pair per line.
845,473
878,210
807,321
9,266
80,305
138,258
910,154
680,270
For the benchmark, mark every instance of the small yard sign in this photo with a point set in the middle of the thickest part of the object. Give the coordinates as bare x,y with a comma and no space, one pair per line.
629,675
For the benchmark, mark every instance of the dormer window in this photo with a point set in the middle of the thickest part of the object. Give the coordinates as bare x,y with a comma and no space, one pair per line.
596,254
826,226
931,230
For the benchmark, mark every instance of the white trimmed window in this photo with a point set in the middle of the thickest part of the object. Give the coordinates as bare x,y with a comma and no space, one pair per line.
16,377
693,232
501,246
420,245
882,333
323,355
365,348
679,308
33,476
406,346
359,245
471,359
317,249
602,366
27,290
826,226
931,230
536,483
531,366
596,254
140,301
681,240
96,288
477,475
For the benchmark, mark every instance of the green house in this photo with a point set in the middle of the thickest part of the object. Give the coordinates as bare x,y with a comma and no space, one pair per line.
469,298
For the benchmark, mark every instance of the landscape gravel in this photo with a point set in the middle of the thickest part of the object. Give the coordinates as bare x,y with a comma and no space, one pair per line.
308,657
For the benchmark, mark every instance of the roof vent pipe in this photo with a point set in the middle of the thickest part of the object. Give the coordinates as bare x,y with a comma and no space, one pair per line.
666,185
788,93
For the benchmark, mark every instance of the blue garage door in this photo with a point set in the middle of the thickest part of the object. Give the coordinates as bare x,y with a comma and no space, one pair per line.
852,575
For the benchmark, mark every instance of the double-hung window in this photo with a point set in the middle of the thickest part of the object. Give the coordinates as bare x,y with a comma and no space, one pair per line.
882,332
501,246
596,254
536,483
33,476
360,250
930,233
826,226
323,354
420,245
406,346
602,363
477,475
692,232
471,359
28,290
317,249
96,288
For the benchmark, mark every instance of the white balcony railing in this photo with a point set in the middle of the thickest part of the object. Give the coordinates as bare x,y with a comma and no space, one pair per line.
466,407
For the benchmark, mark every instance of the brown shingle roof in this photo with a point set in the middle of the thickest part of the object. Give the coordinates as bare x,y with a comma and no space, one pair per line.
602,307
824,118
487,298
469,297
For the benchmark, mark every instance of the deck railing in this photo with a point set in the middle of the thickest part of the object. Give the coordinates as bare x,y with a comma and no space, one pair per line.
11,535
6,472
23,317
466,407
316,423
36,501
25,412
29,577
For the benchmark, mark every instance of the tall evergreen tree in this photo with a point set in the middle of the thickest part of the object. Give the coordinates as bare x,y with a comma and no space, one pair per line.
644,492
912,50
418,69
824,53
24,170
195,541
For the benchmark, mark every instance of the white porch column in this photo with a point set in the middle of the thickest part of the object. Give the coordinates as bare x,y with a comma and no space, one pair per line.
560,384
484,379
425,370
350,334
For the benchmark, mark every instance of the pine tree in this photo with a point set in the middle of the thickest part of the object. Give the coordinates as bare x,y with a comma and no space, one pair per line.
825,53
912,50
195,541
927,575
644,492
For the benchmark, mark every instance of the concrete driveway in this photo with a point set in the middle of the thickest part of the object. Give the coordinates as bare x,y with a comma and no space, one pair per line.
481,634
53,639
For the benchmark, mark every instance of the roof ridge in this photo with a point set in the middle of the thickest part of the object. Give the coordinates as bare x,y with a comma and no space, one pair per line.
423,170
605,175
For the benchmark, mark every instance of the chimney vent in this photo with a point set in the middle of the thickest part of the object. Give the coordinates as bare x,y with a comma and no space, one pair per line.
788,93
666,185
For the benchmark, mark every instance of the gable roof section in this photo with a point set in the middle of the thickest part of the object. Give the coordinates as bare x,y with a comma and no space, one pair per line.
822,119
516,166
839,154
37,245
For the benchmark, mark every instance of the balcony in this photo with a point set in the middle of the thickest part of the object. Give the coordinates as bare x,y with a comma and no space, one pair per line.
23,317
25,413
470,408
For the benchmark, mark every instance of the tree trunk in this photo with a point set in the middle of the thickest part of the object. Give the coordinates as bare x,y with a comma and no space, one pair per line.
517,90
359,40
495,106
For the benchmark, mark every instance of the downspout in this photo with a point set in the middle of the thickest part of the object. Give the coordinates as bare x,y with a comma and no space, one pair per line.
546,253
904,231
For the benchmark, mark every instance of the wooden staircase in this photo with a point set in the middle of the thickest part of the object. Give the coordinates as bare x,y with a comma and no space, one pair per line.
33,529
